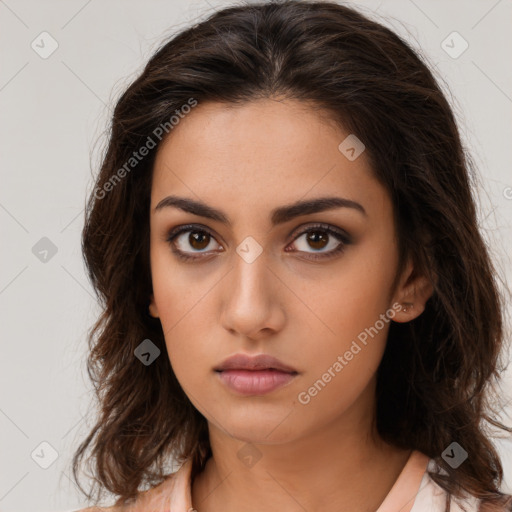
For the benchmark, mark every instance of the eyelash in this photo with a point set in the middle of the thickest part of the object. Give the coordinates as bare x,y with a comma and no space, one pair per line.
336,233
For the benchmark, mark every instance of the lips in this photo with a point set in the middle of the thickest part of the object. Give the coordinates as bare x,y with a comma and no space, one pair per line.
254,363
256,375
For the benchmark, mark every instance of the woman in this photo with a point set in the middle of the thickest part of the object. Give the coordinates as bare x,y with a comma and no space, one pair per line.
299,308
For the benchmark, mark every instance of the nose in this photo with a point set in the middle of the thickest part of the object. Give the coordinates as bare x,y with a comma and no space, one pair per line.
253,299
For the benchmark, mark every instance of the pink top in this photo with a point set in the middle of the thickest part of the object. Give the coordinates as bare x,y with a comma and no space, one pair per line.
413,490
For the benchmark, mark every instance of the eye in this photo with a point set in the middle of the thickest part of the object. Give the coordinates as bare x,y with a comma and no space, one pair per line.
200,240
319,237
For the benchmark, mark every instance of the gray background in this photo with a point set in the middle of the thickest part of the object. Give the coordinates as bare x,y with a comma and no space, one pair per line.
53,113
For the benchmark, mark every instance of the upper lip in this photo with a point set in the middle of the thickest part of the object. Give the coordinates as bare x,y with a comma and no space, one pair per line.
259,362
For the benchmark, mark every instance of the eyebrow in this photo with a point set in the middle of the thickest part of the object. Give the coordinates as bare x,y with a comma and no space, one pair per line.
278,215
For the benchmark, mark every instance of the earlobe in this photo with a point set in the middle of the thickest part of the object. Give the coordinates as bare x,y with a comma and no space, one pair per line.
152,309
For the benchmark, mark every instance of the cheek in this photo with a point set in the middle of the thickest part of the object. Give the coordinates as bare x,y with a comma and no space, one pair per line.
176,289
177,300
349,351
346,337
351,299
339,367
189,352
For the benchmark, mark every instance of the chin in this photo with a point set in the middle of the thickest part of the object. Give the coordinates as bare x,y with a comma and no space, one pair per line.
260,426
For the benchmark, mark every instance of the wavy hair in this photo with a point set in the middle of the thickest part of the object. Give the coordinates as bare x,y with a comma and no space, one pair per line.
438,376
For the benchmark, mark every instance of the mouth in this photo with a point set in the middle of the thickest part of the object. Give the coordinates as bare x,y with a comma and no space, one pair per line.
255,363
254,375
255,382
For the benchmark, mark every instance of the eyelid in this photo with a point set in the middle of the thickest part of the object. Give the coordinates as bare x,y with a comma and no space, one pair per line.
178,230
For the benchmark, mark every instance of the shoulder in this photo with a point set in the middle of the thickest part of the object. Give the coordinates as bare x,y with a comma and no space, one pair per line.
433,498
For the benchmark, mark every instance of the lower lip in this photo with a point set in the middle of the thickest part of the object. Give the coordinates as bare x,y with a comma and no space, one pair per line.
255,382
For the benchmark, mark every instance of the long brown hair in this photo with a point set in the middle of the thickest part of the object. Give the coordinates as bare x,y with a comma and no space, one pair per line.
436,382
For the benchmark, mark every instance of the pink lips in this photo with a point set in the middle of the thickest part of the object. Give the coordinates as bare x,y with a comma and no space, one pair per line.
256,375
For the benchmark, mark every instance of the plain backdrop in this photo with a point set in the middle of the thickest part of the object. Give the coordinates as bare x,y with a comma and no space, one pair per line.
54,109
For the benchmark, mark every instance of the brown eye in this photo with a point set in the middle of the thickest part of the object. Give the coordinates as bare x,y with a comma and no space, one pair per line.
317,239
198,240
190,242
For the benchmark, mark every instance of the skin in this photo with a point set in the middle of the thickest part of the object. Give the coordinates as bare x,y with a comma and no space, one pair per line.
247,160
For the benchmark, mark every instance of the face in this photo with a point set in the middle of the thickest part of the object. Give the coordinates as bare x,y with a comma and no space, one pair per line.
300,284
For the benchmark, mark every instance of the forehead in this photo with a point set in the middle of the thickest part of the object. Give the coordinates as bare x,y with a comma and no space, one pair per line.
264,152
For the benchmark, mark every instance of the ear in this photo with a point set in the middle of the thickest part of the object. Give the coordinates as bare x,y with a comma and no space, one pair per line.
153,310
412,293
